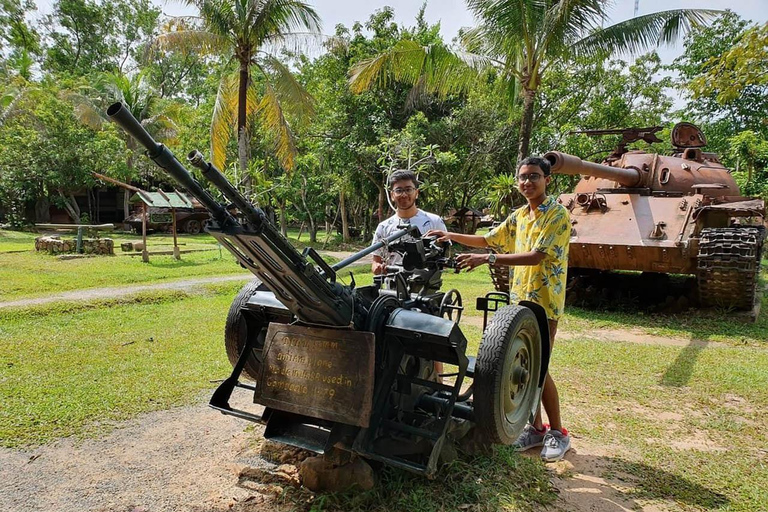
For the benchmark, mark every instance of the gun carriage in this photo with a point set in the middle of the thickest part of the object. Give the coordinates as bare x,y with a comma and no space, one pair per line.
341,367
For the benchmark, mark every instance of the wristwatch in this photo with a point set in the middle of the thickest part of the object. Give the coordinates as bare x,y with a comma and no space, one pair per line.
492,259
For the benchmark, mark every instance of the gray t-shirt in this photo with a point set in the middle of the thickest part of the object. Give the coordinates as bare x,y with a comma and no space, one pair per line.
422,220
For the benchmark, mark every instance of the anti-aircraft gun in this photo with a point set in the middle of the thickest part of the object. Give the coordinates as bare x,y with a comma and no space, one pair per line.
681,214
340,367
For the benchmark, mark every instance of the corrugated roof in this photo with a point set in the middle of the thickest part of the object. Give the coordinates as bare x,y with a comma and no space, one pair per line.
162,199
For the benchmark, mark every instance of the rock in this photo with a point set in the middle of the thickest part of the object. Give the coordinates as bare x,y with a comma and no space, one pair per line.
285,474
138,246
318,474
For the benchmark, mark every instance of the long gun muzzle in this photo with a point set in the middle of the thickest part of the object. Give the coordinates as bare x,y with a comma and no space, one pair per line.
563,163
159,154
254,215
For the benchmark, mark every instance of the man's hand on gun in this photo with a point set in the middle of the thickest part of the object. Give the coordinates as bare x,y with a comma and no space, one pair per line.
466,261
470,260
442,236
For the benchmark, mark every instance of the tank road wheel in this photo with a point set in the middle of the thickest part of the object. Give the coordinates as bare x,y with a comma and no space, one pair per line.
192,227
242,323
506,374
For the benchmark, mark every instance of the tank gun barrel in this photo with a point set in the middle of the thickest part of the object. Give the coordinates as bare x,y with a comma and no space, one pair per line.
563,163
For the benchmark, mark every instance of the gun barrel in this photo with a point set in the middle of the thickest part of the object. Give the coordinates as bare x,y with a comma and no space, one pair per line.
375,247
254,215
563,163
118,113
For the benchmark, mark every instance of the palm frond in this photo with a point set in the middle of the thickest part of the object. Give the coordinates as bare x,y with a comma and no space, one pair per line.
270,111
223,119
289,91
295,43
282,16
439,69
193,41
642,33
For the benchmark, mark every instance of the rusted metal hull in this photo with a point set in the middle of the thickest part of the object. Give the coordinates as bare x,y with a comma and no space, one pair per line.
632,232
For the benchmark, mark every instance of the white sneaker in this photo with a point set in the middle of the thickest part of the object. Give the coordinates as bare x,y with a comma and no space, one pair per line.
529,438
556,444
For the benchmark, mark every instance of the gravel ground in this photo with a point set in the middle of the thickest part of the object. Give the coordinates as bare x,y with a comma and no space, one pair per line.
184,459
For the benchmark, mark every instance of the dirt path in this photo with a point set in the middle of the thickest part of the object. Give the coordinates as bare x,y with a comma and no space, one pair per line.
194,459
128,290
183,459
122,291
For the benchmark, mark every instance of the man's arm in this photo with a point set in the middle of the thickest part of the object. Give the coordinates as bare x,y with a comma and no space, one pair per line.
469,261
468,240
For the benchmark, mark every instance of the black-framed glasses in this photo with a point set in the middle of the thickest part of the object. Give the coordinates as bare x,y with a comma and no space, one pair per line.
533,177
403,191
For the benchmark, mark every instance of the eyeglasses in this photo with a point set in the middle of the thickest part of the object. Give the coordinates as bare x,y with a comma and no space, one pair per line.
533,178
403,191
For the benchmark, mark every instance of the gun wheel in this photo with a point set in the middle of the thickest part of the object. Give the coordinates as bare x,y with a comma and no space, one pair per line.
451,306
240,324
507,373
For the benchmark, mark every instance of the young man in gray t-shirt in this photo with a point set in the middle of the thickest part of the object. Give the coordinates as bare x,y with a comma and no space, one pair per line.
404,190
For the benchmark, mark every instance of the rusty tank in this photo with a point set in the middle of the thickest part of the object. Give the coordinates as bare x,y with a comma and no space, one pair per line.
676,214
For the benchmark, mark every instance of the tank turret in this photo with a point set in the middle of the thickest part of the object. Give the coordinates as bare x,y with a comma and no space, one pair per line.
681,213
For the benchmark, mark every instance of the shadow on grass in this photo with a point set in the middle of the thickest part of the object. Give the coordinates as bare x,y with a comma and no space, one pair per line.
679,372
695,324
613,484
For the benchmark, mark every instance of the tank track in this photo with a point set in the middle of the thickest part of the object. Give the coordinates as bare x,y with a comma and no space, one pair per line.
728,266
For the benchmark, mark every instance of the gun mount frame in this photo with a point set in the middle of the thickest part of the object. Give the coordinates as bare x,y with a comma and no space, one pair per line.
340,367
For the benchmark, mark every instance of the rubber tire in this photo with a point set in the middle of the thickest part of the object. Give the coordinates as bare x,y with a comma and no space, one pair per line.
492,372
192,227
237,328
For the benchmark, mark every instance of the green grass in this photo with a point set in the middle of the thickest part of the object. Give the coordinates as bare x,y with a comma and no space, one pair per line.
25,273
14,241
31,274
713,401
76,370
79,369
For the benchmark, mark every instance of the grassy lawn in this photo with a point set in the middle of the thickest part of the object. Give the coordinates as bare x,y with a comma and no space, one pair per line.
25,273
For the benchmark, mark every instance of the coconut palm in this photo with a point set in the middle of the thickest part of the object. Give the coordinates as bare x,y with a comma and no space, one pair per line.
521,39
248,32
141,100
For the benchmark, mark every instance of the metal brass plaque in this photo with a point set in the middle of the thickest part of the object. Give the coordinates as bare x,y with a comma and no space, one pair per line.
322,373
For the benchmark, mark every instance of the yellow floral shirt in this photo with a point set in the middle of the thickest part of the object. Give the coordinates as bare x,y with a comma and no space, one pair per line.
548,232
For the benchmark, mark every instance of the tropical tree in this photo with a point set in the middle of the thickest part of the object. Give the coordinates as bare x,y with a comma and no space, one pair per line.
521,39
249,31
141,100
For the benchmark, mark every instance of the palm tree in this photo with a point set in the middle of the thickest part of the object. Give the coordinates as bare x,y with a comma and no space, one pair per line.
247,31
135,93
521,39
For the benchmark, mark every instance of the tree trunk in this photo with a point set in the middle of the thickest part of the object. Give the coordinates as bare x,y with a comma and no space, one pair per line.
383,206
526,124
312,228
283,219
126,203
71,206
243,146
43,210
343,213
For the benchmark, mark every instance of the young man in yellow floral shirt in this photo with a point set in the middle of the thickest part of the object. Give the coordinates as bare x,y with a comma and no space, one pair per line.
534,239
